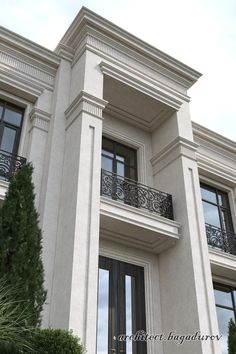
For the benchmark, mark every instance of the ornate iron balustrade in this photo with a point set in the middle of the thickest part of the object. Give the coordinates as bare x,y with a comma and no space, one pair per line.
136,194
9,164
221,239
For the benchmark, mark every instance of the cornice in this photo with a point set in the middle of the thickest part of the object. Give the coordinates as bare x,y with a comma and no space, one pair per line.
214,138
40,119
19,84
88,18
178,147
29,48
13,63
216,168
158,91
87,103
65,52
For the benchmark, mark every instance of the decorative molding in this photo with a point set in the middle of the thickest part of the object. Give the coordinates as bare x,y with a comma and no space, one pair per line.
217,169
161,94
24,47
19,85
126,139
39,119
171,225
152,292
8,61
139,122
223,265
214,138
65,52
88,19
178,147
87,103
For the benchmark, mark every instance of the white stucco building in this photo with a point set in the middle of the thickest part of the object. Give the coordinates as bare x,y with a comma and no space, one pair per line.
105,121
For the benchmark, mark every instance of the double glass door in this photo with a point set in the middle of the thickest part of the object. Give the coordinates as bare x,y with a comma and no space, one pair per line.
121,307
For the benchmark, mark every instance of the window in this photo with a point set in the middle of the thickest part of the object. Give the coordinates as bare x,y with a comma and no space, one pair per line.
119,159
219,226
121,306
225,299
11,118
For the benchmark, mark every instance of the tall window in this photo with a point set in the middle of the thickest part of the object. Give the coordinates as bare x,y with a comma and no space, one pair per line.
219,226
11,118
121,307
119,159
225,299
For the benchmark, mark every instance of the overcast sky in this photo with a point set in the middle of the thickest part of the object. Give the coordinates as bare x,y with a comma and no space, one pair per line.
200,33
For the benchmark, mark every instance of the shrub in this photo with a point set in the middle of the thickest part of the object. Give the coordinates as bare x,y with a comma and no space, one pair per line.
14,335
56,341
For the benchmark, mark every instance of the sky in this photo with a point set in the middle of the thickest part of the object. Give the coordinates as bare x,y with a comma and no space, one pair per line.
200,33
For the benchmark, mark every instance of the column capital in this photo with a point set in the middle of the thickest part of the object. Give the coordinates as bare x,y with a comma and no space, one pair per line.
39,119
87,103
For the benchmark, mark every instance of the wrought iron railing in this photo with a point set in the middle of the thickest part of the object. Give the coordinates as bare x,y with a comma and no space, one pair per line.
136,194
221,239
9,164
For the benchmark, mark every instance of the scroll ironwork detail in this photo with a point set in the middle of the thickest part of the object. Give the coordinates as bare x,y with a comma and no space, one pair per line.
221,239
9,164
136,194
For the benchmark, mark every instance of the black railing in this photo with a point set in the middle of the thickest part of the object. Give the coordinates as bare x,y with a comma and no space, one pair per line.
136,194
221,239
9,164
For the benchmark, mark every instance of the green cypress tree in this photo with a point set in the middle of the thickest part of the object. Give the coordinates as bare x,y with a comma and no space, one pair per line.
232,337
21,244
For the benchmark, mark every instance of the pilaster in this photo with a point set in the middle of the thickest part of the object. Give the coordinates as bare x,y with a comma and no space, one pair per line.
75,281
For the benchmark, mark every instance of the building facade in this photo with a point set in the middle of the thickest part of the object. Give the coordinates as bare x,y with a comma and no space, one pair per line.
136,202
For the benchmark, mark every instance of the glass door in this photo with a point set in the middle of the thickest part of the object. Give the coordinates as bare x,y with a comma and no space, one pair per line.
121,307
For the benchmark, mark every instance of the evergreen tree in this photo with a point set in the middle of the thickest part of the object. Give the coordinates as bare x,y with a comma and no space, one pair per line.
20,244
232,337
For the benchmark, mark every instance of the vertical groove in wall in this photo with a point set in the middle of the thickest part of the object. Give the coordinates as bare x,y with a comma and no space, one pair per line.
91,135
201,254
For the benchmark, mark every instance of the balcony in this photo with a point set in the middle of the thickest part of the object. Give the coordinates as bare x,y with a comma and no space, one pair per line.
9,164
135,194
135,215
220,239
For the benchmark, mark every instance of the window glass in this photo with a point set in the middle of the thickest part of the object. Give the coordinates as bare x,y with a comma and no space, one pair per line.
103,310
211,214
107,145
225,308
8,139
123,159
107,164
120,169
128,311
1,110
208,195
223,297
13,117
224,316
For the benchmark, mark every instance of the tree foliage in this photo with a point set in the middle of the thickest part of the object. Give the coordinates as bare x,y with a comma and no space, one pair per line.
21,244
232,337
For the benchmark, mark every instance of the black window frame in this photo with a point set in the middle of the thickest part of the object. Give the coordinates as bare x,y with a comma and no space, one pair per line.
231,290
3,124
221,209
115,147
117,272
